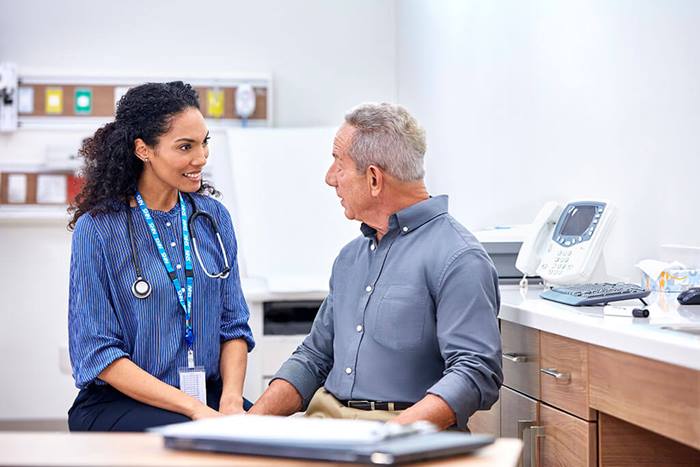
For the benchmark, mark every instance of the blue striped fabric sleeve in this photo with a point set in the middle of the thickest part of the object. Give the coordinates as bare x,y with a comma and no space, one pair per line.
95,334
234,317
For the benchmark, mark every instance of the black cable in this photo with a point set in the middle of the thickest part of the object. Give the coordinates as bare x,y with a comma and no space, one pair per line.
134,256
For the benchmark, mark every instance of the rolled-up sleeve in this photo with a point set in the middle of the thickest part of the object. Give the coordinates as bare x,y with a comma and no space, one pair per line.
309,365
235,313
95,335
468,336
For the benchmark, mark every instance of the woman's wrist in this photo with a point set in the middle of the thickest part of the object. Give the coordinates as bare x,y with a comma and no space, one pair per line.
231,397
190,405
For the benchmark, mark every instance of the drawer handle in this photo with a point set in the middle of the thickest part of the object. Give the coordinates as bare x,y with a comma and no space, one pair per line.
556,374
515,358
523,427
536,432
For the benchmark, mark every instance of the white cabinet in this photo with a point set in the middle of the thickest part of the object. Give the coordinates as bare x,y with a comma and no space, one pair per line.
285,313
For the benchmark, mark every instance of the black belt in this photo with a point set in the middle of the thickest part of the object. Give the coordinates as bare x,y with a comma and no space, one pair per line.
376,405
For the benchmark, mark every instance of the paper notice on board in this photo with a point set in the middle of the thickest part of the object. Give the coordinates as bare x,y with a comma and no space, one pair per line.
51,189
25,100
17,188
119,92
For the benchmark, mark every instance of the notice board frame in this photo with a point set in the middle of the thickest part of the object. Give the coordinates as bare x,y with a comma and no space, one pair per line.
104,88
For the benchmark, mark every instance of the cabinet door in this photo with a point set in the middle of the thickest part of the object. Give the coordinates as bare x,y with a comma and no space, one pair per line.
521,358
487,421
518,415
566,441
564,375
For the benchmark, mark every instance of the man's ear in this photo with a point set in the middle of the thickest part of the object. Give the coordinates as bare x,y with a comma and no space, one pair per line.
141,150
375,180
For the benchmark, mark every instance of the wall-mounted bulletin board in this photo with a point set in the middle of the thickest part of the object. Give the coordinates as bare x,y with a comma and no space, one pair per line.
51,100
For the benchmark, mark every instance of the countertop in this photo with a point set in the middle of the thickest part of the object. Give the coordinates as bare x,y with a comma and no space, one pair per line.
146,449
645,337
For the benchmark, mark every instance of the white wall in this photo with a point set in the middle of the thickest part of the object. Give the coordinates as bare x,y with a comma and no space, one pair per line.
324,58
529,101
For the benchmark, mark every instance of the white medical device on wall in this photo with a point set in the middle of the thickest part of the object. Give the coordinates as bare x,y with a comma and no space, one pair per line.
565,245
245,101
8,97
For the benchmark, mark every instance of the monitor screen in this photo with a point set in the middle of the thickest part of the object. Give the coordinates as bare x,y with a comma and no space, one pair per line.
578,220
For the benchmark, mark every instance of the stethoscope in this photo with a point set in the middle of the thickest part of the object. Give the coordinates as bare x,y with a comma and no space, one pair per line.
141,288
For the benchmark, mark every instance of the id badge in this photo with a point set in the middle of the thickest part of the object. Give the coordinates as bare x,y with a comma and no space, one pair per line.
193,382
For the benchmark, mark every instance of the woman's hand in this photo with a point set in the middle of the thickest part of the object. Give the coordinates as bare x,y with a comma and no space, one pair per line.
231,405
204,411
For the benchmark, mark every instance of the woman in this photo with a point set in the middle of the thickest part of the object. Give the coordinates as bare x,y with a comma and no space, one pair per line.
151,332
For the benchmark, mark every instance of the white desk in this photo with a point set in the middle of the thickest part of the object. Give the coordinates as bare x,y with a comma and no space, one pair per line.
639,336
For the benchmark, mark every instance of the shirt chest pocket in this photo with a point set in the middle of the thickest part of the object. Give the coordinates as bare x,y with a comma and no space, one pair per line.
400,317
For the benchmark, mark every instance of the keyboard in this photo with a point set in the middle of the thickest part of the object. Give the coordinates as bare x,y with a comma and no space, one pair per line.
594,294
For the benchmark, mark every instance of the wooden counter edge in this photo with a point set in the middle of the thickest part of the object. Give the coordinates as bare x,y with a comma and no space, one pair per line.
139,449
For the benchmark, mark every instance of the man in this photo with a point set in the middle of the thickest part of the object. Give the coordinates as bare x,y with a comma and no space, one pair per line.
408,330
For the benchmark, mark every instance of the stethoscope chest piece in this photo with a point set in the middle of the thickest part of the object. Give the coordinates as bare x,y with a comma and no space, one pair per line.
141,288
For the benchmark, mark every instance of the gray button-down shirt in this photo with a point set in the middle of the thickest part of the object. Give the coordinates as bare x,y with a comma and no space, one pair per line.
412,314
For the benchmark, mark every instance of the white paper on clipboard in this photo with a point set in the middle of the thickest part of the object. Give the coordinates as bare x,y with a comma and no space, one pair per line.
51,189
17,188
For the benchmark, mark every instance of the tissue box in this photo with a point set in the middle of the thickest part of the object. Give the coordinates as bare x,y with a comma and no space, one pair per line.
673,280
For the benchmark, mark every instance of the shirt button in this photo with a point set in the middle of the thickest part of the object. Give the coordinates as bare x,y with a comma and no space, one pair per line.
178,266
405,229
168,224
358,328
348,370
372,247
172,244
368,288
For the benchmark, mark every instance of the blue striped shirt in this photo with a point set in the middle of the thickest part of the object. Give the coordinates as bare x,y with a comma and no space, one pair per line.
106,322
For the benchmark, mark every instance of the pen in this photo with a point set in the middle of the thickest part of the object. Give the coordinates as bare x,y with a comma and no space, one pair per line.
611,310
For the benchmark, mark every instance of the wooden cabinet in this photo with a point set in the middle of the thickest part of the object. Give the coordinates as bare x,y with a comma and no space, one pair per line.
544,399
625,445
565,440
519,420
521,358
660,397
487,421
564,375
595,406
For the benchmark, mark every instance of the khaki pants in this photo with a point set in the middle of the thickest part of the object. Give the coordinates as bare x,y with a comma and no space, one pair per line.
324,405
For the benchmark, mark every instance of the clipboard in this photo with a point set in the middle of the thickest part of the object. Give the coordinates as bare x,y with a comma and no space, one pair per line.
350,441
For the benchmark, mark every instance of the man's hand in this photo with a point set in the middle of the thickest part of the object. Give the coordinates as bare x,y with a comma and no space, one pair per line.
431,408
231,405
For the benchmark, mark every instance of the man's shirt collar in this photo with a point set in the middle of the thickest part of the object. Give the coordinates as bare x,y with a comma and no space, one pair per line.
412,217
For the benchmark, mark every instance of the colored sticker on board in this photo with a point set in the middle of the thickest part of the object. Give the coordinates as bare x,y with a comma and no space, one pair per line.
215,103
54,100
83,101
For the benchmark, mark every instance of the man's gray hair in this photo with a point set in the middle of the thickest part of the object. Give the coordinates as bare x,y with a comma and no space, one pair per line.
387,136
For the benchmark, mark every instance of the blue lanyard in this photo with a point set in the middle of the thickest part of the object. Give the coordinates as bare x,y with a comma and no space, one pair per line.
184,295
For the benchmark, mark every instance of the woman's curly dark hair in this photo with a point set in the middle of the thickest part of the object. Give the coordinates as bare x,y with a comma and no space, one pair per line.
111,171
